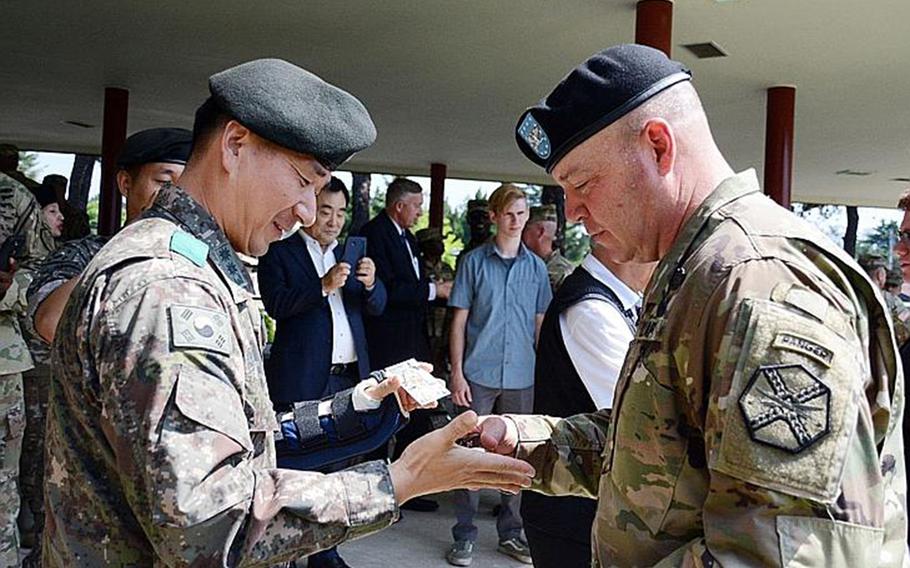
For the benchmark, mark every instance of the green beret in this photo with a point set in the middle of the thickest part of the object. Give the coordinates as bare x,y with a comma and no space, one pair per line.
543,213
294,109
429,234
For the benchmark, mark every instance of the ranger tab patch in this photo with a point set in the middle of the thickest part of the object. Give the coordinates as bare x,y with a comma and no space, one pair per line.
200,328
786,407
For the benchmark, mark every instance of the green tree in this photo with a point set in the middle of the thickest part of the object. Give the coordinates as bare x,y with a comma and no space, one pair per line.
28,164
878,241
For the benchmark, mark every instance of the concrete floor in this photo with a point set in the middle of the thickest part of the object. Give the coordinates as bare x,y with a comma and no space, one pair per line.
422,539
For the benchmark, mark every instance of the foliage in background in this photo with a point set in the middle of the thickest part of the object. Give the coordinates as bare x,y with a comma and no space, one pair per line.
28,164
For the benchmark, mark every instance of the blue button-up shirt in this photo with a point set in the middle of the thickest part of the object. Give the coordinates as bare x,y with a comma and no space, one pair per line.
503,302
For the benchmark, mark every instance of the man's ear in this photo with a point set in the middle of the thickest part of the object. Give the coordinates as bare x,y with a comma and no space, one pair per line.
661,141
234,138
124,182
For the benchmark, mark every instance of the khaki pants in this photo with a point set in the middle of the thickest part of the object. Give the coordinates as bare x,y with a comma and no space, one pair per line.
12,428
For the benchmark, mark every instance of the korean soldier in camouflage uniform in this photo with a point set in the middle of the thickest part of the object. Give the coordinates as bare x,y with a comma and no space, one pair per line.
160,443
538,236
19,213
439,317
757,417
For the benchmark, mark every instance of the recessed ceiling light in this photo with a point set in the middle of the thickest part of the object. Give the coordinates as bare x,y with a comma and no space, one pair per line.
78,123
706,50
849,172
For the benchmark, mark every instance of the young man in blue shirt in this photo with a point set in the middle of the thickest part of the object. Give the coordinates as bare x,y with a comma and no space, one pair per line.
500,295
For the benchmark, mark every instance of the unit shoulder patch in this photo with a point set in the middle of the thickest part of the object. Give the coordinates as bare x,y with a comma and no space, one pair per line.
786,407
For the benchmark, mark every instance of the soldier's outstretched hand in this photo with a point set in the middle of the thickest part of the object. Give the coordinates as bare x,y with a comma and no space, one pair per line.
435,463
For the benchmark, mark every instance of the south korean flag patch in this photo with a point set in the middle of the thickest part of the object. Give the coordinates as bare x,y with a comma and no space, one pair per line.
535,136
200,328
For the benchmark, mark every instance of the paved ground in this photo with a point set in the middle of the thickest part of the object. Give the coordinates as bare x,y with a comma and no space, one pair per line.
422,539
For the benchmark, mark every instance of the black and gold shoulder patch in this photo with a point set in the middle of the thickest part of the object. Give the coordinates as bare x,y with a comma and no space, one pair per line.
786,407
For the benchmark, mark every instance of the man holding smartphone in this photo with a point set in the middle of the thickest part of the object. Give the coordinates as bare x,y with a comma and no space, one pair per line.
317,300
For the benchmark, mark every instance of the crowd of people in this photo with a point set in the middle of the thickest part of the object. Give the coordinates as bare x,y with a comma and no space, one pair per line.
715,383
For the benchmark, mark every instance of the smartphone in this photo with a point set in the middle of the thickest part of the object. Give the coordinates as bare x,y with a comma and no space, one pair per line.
355,248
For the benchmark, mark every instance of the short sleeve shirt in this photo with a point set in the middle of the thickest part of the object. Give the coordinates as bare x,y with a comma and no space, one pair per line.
503,301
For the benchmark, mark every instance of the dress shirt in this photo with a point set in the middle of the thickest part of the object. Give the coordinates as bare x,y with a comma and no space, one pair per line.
343,350
596,334
415,262
503,297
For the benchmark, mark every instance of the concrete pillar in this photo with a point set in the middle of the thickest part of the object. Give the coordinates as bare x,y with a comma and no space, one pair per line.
437,194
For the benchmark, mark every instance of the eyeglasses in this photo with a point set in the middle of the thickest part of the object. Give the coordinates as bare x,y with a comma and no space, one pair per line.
903,237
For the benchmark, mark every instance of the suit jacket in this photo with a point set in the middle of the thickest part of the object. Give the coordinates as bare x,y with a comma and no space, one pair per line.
301,355
400,332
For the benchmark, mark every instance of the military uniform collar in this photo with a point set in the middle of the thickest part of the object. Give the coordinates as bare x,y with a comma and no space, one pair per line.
729,190
175,204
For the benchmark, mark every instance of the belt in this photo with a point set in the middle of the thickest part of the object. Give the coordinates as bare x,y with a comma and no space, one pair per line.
343,369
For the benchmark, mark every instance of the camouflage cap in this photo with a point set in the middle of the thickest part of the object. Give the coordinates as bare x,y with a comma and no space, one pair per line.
543,213
429,234
871,261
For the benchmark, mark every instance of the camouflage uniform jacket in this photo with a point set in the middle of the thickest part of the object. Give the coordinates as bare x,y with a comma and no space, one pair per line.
758,413
558,269
16,201
160,446
65,263
900,317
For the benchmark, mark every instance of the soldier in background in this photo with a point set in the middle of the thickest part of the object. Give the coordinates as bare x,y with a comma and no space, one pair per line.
539,235
479,227
20,214
758,415
877,269
439,318
75,220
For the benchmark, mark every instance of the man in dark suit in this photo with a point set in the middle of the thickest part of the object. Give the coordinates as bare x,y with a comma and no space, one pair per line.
400,333
320,345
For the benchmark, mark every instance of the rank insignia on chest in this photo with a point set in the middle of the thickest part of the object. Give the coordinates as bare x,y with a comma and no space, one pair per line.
200,328
786,407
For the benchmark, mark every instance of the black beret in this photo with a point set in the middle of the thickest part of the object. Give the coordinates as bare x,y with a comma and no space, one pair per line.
45,194
294,109
156,145
597,93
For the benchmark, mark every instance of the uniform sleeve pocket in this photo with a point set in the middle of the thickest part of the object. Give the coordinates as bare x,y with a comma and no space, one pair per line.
791,408
809,541
212,403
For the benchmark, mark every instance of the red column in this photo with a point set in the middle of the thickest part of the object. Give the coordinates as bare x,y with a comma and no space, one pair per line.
116,104
437,193
779,143
654,24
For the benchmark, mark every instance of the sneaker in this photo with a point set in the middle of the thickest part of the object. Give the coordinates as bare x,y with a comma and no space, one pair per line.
461,553
517,548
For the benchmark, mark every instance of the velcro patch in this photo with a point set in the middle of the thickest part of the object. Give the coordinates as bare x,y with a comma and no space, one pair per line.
200,328
786,407
804,346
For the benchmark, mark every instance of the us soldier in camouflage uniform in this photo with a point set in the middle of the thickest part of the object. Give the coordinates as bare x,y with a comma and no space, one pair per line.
439,318
18,211
479,227
160,443
538,236
877,269
757,417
